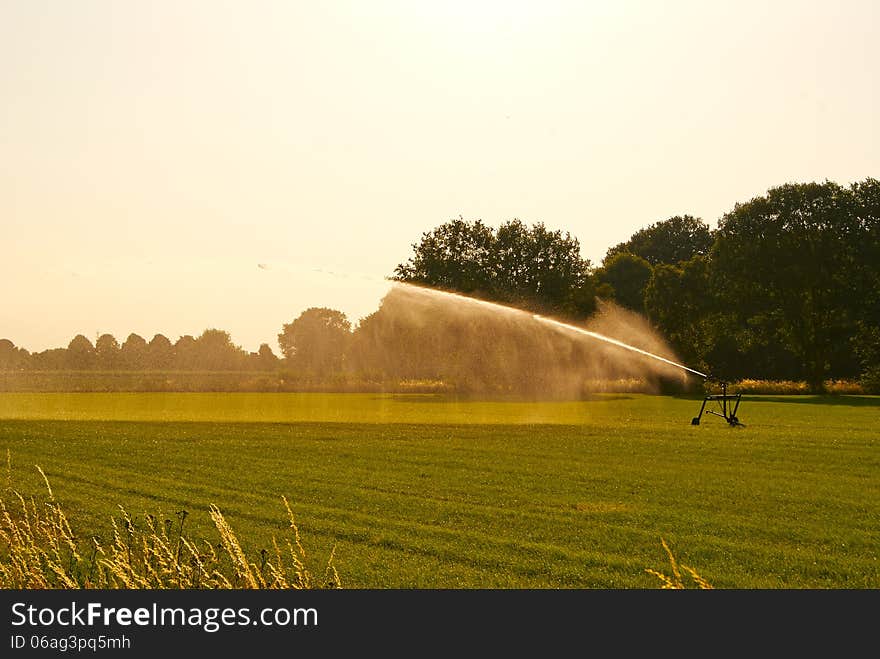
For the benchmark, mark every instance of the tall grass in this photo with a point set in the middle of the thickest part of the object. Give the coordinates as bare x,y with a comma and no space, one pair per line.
790,387
39,550
677,581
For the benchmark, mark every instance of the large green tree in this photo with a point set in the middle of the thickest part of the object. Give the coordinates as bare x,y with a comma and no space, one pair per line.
866,341
677,302
533,267
787,264
670,241
457,255
628,276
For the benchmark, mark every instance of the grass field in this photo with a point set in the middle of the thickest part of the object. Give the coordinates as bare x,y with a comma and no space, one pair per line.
424,491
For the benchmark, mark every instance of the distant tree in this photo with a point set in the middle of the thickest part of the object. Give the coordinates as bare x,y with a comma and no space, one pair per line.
628,275
107,351
215,351
787,263
80,353
160,352
11,357
531,267
185,357
671,241
266,359
8,355
389,343
54,359
316,341
133,354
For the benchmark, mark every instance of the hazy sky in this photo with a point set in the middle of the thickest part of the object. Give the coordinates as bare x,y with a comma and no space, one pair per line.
152,154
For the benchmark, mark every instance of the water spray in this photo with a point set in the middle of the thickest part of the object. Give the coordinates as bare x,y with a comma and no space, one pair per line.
615,342
728,404
557,325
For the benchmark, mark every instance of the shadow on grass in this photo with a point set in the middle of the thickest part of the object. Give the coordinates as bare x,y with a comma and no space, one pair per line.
487,398
852,401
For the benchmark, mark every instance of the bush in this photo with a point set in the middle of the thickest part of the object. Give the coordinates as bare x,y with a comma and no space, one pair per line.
870,380
789,387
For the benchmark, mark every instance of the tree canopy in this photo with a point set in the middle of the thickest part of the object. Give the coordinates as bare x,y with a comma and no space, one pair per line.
789,260
627,275
671,241
316,340
532,267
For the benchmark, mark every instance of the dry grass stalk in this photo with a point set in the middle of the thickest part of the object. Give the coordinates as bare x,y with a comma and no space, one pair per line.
39,550
675,582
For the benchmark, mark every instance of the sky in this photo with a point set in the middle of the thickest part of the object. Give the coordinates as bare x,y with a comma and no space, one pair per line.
172,166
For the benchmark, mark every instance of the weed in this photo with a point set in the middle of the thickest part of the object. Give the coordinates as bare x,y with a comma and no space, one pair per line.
676,582
38,549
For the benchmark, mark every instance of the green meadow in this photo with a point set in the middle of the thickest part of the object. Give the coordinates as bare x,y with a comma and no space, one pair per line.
426,491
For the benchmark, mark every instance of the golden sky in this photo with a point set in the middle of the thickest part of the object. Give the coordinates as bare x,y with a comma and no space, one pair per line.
152,154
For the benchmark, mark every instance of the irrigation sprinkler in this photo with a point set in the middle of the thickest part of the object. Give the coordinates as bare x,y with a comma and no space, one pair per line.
728,404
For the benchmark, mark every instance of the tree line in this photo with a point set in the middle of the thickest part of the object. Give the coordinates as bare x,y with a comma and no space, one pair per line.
787,287
213,350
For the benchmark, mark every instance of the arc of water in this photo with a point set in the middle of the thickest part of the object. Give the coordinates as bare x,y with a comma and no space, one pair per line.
619,344
556,324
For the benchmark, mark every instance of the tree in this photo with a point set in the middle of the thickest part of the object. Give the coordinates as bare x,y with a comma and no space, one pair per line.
185,357
628,275
392,342
671,241
455,256
866,345
787,262
530,267
133,354
80,353
107,350
215,351
266,359
316,341
680,302
54,359
12,358
541,269
866,341
160,352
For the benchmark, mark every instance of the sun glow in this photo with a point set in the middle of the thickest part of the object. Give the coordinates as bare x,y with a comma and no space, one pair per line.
483,18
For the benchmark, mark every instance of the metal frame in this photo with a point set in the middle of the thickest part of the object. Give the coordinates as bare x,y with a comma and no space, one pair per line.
728,404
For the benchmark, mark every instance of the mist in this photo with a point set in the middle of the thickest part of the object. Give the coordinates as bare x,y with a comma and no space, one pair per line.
486,348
